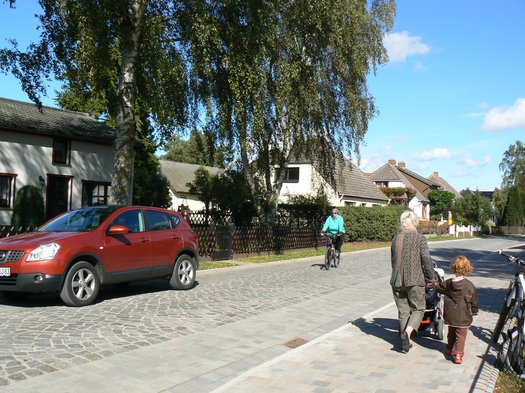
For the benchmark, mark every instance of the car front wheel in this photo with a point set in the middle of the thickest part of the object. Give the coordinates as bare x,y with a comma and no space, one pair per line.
183,276
81,285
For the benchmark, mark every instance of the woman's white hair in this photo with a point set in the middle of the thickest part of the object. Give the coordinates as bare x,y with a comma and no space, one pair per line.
408,220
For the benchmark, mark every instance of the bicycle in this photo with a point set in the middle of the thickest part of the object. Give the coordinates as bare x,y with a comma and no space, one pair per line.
511,322
332,257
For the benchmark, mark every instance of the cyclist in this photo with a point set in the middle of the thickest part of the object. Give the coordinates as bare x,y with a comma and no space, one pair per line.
335,225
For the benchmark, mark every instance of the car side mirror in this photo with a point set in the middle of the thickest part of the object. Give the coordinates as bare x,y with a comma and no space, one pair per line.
118,230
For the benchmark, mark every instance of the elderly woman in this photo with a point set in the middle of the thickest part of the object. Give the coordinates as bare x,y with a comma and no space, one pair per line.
411,266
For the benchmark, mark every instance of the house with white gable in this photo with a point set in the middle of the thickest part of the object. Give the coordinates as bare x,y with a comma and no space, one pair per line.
405,187
68,155
180,175
352,186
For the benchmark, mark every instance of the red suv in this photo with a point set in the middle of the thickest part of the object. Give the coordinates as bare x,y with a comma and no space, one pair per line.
80,250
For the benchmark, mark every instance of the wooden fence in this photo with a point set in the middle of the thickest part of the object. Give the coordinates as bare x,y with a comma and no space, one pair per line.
8,230
222,242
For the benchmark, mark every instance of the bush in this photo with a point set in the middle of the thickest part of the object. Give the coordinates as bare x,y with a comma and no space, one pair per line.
371,223
28,209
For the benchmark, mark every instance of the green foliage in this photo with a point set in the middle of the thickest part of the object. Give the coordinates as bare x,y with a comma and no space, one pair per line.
513,214
203,185
473,209
232,194
281,84
302,209
513,166
371,223
499,199
441,203
150,186
201,149
28,209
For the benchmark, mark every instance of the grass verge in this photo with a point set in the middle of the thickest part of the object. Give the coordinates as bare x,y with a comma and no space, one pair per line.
508,383
310,252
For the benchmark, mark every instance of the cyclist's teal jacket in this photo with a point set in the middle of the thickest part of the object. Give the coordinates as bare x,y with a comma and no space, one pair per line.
334,226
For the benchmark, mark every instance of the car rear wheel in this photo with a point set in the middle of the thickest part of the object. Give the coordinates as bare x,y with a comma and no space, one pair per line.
81,285
183,276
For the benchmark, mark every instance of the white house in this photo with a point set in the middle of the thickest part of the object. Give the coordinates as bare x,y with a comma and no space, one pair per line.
352,186
180,175
394,175
68,155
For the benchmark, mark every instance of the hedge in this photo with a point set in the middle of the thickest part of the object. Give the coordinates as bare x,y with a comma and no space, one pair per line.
371,223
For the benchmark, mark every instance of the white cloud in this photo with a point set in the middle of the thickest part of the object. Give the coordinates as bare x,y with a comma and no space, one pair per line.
505,118
437,152
469,162
402,45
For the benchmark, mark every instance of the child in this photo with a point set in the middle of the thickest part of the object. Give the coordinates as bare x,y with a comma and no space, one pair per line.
461,303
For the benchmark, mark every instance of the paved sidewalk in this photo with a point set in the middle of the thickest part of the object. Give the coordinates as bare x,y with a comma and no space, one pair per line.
362,356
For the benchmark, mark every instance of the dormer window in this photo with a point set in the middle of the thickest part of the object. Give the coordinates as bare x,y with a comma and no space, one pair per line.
61,151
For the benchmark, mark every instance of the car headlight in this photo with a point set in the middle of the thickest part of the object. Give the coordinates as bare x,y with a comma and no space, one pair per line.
43,252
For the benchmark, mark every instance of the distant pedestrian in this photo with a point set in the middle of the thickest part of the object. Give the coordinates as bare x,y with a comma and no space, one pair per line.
461,303
411,269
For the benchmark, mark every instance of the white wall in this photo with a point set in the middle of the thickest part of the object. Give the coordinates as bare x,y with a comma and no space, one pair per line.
187,200
30,156
311,182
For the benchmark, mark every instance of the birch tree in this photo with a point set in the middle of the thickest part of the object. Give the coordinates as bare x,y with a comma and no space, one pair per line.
119,57
286,79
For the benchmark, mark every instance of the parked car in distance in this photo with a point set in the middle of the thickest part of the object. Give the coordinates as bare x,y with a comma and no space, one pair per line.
77,252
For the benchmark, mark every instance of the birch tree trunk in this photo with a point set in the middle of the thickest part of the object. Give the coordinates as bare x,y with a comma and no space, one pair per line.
122,181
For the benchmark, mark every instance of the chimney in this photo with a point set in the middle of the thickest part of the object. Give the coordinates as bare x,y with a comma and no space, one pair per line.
436,173
392,162
401,164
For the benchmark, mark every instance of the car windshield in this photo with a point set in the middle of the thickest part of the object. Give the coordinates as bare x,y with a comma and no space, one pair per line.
81,220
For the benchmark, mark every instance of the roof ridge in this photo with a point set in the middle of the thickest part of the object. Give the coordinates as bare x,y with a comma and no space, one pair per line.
32,104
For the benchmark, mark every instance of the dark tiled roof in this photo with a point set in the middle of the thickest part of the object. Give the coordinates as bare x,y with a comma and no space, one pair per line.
422,179
486,194
352,181
389,172
179,174
27,117
444,184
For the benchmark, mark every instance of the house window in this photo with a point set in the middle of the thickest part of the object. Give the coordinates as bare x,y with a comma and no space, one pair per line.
95,193
61,151
291,175
7,185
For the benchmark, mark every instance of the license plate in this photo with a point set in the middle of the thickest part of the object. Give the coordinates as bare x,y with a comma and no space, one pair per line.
5,271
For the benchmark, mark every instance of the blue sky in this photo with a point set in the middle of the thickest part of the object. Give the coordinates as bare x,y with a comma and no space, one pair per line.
451,99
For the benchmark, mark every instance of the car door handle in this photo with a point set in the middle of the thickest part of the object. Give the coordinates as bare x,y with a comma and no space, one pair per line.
176,237
144,239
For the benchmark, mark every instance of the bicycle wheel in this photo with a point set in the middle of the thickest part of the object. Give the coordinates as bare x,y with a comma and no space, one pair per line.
337,258
327,258
505,313
510,354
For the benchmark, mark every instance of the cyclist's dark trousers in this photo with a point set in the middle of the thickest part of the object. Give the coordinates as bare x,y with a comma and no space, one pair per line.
456,338
338,243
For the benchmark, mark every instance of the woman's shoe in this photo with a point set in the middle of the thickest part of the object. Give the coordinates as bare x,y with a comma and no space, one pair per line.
458,359
405,342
